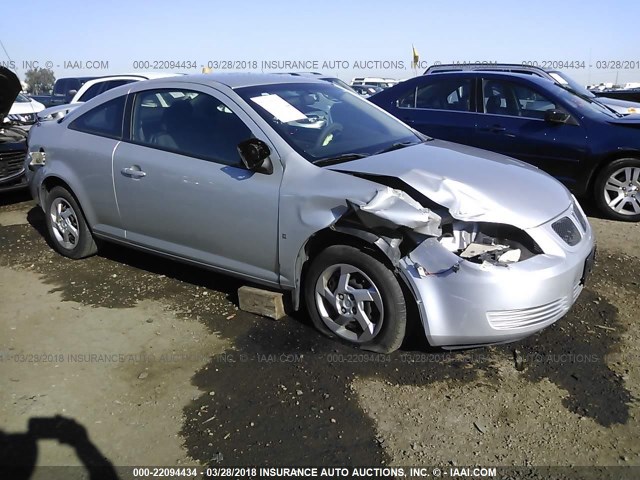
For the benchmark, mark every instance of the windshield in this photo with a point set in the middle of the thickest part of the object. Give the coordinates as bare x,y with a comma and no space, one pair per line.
323,122
339,83
22,99
580,101
569,82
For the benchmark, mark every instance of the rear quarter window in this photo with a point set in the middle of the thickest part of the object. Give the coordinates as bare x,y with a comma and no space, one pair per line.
104,120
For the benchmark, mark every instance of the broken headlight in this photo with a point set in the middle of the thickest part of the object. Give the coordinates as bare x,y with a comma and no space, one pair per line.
491,243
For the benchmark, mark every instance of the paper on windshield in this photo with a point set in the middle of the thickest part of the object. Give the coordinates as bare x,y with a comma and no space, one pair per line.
279,108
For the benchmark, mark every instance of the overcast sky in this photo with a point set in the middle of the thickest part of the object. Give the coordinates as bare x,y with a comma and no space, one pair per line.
587,32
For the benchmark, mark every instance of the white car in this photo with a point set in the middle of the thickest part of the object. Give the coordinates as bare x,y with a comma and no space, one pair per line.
376,81
95,87
24,111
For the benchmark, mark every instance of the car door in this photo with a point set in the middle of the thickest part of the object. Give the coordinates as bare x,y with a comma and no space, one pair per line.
181,187
441,107
88,147
514,123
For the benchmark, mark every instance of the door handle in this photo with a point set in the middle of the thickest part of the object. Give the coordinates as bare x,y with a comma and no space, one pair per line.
133,172
408,120
493,129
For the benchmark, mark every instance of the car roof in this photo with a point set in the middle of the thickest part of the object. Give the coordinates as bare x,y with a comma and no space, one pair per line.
543,81
82,79
498,67
316,75
137,76
303,74
238,80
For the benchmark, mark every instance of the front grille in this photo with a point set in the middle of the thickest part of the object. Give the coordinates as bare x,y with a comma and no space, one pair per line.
528,317
567,231
11,163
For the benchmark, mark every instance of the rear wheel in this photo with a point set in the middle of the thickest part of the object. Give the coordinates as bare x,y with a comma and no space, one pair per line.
67,227
357,299
618,190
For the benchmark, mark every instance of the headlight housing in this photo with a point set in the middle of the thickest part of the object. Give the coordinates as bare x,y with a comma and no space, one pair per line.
22,117
567,231
579,214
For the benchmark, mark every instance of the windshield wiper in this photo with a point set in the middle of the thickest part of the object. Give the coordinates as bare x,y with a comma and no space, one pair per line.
594,100
397,146
355,156
345,157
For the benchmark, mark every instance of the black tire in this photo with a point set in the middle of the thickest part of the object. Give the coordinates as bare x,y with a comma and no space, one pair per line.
68,243
390,323
601,193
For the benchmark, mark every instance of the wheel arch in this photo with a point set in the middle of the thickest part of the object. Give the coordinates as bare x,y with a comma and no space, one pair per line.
619,154
52,181
365,241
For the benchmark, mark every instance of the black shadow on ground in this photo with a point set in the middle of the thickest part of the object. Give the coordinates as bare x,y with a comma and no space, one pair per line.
19,451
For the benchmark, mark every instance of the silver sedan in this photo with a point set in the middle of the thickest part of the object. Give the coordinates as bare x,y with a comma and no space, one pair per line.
302,186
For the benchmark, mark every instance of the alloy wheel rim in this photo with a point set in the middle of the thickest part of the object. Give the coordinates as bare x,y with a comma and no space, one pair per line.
622,191
349,303
64,222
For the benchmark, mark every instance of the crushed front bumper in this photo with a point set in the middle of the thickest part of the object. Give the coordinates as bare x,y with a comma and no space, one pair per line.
471,304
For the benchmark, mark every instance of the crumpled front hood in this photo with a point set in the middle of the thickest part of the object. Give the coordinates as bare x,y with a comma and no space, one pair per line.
473,184
9,89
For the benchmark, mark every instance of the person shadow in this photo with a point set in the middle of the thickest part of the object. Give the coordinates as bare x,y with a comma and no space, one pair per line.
19,451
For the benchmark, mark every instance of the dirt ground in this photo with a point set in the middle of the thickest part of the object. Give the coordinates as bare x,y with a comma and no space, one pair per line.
154,362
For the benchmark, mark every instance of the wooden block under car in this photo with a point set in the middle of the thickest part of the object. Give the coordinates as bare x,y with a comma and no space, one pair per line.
261,302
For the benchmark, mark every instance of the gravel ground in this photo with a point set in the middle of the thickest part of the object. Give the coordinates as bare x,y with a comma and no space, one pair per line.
153,360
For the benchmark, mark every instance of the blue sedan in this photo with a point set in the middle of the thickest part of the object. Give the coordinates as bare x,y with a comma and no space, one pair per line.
593,150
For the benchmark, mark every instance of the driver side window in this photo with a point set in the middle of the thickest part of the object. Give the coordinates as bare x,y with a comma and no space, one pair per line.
443,94
516,100
189,123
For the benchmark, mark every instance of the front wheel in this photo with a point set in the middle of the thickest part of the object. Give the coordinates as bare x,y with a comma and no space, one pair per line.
355,298
618,190
67,227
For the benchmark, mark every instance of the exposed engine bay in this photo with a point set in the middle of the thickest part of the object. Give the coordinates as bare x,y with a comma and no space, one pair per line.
488,243
397,223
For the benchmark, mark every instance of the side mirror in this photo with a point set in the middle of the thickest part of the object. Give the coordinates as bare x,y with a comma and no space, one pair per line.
69,96
255,156
556,116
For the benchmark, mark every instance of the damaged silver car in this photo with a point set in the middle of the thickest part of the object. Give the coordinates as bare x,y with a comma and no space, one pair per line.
301,186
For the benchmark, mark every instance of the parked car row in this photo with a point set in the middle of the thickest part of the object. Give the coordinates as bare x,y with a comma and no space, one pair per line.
319,193
374,81
63,91
95,87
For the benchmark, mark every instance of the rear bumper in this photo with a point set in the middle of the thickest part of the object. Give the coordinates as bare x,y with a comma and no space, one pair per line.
480,305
